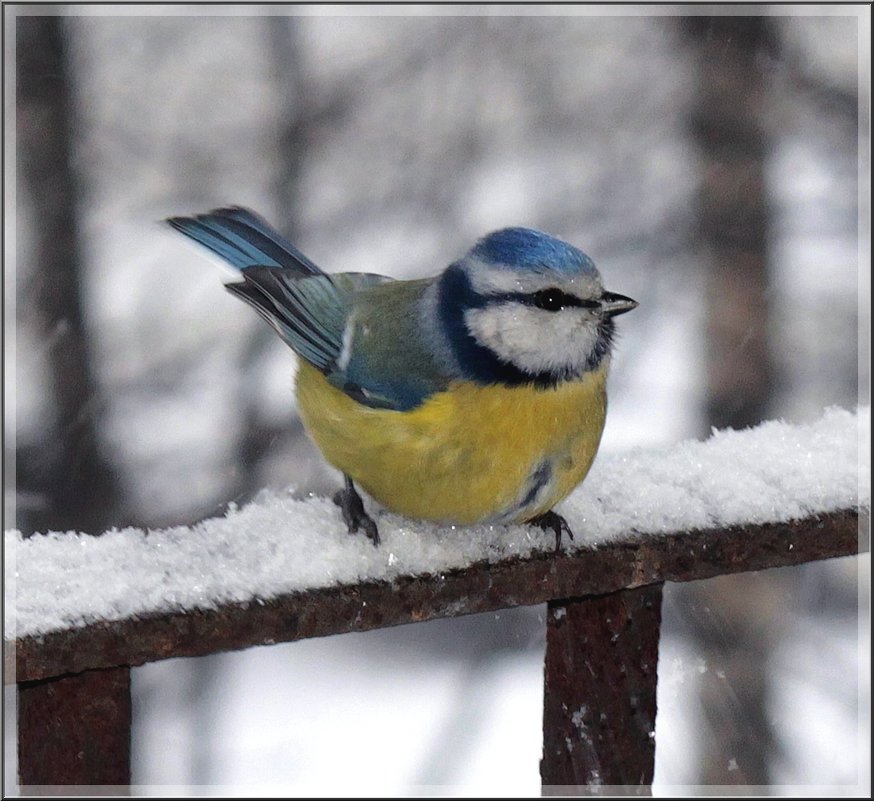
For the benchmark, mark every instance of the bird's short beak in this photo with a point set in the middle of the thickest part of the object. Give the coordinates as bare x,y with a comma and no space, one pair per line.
613,304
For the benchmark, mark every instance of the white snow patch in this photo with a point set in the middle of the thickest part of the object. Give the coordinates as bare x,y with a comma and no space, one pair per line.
578,718
279,544
770,473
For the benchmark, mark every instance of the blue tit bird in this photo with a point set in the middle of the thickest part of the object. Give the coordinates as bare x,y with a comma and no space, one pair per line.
475,396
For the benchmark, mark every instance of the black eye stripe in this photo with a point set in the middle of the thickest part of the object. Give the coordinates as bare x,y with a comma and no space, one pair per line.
550,299
554,299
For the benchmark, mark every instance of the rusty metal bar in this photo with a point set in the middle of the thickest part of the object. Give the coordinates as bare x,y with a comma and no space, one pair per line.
633,562
599,701
75,730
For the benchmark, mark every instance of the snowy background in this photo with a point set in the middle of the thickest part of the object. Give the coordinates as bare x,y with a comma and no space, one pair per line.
389,143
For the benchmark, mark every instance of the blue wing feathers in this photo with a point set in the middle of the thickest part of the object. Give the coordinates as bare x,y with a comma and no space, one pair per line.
306,307
310,309
286,327
243,239
284,302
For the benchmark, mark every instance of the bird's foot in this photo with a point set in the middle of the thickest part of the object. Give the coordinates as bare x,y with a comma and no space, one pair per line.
352,507
554,521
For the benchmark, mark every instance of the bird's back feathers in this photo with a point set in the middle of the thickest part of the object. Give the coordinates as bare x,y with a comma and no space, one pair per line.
308,313
390,362
359,329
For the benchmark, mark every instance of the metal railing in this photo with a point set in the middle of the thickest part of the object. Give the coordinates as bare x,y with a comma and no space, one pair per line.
74,708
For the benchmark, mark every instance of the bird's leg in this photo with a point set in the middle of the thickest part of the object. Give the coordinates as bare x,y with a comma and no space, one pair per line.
554,521
352,506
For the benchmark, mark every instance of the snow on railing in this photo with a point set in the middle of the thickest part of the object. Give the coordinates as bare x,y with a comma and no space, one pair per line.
279,545
284,568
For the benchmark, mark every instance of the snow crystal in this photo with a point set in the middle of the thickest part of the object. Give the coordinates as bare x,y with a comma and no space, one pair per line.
280,544
578,719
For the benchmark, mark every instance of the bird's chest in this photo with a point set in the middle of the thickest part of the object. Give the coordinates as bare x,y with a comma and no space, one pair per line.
502,426
519,451
469,454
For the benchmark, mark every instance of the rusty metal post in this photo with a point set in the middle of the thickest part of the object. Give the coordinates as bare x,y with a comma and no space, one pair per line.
75,730
600,693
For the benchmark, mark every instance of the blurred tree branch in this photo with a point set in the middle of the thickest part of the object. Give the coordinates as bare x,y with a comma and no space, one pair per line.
727,123
66,468
732,224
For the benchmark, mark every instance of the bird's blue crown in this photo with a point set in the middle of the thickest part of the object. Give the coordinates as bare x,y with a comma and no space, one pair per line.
527,248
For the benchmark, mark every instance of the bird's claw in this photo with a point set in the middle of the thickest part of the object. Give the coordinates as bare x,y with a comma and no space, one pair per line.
553,520
354,516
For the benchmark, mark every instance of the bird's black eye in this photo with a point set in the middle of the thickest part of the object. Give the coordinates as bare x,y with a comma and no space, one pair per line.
550,299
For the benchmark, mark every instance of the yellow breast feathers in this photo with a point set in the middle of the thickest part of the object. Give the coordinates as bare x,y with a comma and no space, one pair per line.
471,454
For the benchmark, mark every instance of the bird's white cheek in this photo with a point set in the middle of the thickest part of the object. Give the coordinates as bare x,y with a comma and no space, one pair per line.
532,339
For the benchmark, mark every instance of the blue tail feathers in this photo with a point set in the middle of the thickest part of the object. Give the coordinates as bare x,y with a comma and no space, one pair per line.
244,240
